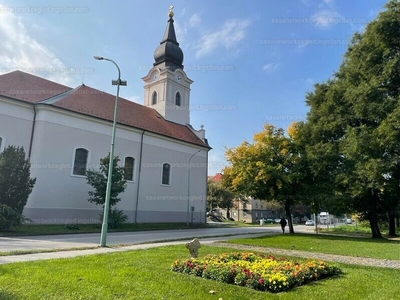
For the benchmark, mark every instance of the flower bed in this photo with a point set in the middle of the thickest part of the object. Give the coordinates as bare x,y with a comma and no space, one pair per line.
256,271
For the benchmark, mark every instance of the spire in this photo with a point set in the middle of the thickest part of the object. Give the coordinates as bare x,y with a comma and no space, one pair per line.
169,34
168,52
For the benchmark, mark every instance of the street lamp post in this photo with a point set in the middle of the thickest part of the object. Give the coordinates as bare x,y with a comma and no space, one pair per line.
104,226
188,188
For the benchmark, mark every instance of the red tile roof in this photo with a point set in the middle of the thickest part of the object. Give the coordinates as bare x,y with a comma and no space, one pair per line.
29,88
215,178
92,102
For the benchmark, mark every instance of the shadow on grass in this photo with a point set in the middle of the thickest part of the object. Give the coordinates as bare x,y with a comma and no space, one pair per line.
316,283
7,296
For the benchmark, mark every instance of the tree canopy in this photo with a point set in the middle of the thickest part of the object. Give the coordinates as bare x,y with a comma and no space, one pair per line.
268,168
353,127
346,156
98,180
219,196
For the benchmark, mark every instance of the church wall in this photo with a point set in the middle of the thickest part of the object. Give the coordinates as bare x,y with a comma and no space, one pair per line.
168,203
57,191
16,123
60,197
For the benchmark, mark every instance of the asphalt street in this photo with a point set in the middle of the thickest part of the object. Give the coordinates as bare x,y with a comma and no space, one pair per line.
68,241
124,240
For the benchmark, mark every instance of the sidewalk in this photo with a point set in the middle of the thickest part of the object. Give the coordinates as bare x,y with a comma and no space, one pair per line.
103,250
66,246
351,260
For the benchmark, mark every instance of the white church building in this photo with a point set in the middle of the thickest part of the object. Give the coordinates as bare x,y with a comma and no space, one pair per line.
66,131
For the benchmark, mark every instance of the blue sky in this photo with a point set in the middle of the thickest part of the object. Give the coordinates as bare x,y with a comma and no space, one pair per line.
252,62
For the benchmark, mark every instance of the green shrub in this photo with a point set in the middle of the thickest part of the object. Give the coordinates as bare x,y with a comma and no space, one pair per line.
9,218
71,227
15,186
116,218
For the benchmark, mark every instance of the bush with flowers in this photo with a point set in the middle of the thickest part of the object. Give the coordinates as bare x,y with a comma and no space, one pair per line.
256,271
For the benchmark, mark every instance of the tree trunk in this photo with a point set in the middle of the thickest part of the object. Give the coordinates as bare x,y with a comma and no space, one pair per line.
373,217
289,216
238,211
392,225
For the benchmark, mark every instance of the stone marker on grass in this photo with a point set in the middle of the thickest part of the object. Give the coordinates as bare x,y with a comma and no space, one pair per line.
193,247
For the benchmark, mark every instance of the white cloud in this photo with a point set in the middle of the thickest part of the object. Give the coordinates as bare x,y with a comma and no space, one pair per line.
194,20
231,33
180,32
20,51
325,18
271,67
310,81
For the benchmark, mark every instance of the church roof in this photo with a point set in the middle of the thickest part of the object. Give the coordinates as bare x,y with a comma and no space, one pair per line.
168,51
29,88
89,101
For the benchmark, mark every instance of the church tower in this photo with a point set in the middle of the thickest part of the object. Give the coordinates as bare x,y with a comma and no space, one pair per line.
167,88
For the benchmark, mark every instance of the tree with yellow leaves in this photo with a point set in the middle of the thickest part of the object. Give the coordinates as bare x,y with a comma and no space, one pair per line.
267,169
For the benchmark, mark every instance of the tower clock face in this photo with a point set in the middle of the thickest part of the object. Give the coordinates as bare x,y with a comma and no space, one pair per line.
154,77
178,78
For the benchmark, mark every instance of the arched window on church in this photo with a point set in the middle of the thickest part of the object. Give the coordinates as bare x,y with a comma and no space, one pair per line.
129,167
178,99
154,98
166,174
80,161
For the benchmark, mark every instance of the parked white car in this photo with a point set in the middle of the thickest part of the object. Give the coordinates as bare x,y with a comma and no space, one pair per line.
310,223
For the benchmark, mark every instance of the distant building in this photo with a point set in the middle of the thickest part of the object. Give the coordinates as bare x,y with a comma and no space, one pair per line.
249,211
66,131
215,178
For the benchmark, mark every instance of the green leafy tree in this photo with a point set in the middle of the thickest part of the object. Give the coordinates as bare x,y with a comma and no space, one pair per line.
15,186
300,210
98,180
238,196
353,124
219,196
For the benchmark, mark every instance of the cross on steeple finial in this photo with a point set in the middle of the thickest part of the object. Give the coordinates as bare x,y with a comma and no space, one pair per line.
171,13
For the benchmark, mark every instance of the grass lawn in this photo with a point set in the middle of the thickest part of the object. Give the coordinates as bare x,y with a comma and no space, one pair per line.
30,229
352,246
354,229
146,274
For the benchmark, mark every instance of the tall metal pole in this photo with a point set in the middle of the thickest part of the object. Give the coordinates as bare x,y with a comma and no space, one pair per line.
188,188
104,227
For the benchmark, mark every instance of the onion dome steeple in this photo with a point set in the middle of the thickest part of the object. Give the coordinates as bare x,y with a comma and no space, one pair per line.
168,52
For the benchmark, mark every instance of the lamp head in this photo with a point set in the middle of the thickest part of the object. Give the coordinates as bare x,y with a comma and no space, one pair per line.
98,57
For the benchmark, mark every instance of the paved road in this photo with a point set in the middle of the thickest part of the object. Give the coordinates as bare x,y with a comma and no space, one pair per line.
68,241
133,240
